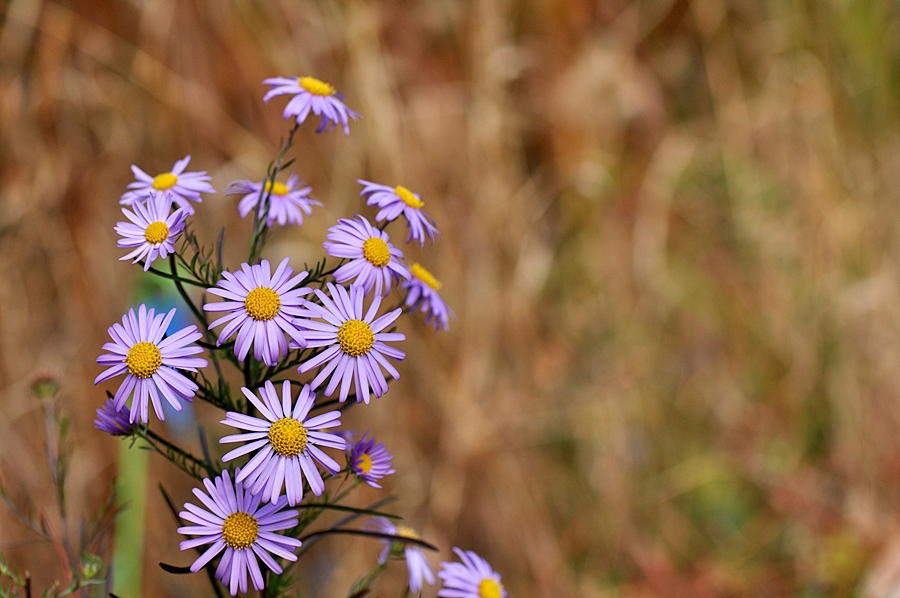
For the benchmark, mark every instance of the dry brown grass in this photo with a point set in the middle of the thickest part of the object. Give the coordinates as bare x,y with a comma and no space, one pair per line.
668,232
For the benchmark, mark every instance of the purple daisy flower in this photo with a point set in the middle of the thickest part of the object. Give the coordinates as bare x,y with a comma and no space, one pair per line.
233,521
185,187
370,460
287,444
287,201
400,200
112,421
419,569
374,262
152,230
356,344
312,95
261,306
150,363
474,578
422,292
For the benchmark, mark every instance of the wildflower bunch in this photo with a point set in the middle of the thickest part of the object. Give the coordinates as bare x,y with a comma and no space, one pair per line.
296,336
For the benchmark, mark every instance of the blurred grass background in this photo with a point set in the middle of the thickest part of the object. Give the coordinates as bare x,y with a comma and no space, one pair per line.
669,233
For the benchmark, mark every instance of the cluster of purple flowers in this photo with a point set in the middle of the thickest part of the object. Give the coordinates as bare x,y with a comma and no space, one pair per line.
335,333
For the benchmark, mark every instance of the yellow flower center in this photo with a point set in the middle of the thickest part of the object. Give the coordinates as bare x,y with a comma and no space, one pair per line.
277,188
156,232
143,359
164,181
240,530
377,252
488,588
425,276
262,304
355,338
365,463
316,87
404,531
288,437
408,198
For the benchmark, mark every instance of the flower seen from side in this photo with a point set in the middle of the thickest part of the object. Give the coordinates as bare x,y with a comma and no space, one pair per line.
422,294
150,363
152,230
287,444
260,307
233,521
419,569
185,187
398,200
311,95
473,578
370,460
288,202
355,341
374,261
113,421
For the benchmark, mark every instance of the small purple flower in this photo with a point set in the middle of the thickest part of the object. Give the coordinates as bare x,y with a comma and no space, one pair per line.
374,262
356,344
287,201
261,306
152,230
150,363
287,444
370,460
234,522
311,95
474,578
422,292
419,569
185,187
113,421
394,201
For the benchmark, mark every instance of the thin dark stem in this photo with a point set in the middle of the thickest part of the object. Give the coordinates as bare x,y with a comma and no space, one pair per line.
260,216
379,535
174,277
154,437
181,291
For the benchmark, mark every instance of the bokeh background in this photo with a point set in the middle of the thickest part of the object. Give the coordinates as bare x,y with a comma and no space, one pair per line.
669,235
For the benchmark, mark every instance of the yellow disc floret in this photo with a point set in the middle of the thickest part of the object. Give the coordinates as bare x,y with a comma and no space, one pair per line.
355,338
262,304
288,437
240,530
316,87
364,464
404,531
143,359
407,197
377,252
277,188
156,232
425,276
164,181
488,588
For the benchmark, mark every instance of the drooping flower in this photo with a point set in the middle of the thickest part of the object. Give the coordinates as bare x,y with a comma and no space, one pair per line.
356,344
233,521
150,363
287,201
374,261
422,292
152,230
394,201
370,460
474,578
286,443
185,187
113,421
312,95
419,569
261,306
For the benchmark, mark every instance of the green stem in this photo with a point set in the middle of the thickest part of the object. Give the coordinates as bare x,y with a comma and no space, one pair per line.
174,277
153,438
260,216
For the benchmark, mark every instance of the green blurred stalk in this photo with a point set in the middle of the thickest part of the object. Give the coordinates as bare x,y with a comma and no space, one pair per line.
131,497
